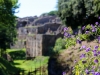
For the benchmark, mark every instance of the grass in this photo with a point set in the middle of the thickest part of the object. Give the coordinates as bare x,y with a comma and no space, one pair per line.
13,50
31,64
20,61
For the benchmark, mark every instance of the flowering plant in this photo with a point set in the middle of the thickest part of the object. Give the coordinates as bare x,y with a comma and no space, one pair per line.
89,61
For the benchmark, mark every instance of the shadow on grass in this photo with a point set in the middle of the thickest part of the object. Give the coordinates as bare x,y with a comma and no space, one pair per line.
16,63
17,55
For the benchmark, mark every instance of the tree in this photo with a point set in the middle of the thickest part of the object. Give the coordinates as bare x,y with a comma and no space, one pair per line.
52,13
7,23
78,12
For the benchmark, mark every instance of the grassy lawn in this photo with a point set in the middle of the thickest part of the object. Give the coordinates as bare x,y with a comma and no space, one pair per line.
27,65
31,64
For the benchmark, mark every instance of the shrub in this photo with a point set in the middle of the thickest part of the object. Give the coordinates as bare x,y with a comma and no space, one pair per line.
70,42
90,32
89,61
60,44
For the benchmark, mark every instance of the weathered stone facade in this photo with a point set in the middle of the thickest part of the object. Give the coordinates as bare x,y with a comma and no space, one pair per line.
33,46
42,29
20,44
47,29
38,45
37,34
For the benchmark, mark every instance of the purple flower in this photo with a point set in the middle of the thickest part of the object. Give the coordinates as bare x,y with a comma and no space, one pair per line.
83,47
99,52
99,17
64,73
86,71
96,61
75,61
78,41
98,37
88,49
94,51
82,56
83,27
92,26
76,33
96,23
65,29
65,34
95,54
69,35
97,73
86,32
94,30
96,47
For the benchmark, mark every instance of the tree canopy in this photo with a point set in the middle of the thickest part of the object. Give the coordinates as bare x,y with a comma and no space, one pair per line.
7,22
77,12
51,13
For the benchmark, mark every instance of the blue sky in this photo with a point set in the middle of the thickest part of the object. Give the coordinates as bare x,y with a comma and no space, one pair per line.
35,7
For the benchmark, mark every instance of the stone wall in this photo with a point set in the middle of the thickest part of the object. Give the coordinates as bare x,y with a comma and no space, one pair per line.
38,45
33,46
20,44
39,29
43,20
51,26
48,29
22,22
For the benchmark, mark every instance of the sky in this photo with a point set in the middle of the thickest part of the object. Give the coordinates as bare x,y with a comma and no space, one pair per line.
35,7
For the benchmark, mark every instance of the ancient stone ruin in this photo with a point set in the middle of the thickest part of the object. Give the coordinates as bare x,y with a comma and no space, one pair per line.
38,45
37,34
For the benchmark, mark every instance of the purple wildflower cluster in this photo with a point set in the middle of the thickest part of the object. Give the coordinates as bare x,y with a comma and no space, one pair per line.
89,61
93,53
92,29
66,32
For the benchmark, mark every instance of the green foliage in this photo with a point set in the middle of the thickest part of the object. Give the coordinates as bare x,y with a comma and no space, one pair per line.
70,42
17,54
88,27
77,12
6,67
7,22
98,30
52,13
60,44
84,37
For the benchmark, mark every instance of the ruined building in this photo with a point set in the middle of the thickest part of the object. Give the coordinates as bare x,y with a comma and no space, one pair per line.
37,38
38,45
